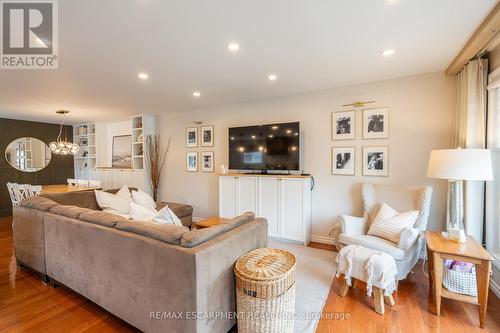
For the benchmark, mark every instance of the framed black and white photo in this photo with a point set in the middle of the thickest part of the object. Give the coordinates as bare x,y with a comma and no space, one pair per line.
192,161
376,161
121,156
207,161
192,137
376,123
343,161
84,142
344,125
207,136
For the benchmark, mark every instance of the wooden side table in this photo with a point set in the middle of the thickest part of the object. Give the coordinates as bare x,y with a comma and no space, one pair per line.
210,222
439,248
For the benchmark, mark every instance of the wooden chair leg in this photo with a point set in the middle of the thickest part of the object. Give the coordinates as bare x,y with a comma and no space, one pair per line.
354,283
378,300
389,300
344,288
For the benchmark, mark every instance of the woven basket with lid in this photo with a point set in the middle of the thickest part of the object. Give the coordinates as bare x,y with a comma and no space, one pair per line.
265,290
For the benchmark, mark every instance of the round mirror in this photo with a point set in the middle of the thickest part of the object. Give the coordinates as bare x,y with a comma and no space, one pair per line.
28,154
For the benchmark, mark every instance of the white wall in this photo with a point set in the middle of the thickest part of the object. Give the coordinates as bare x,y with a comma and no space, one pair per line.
420,120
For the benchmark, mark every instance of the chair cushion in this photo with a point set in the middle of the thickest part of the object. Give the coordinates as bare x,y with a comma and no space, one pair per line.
68,211
38,202
374,243
389,223
168,233
101,218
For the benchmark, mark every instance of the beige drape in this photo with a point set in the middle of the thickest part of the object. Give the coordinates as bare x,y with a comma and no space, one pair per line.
469,131
492,225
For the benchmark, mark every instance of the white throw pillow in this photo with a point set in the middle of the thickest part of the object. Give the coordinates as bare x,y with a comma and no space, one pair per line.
165,215
112,203
143,199
389,223
124,193
137,212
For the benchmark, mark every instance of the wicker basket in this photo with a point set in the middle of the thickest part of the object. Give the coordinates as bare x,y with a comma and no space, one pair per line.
460,282
265,291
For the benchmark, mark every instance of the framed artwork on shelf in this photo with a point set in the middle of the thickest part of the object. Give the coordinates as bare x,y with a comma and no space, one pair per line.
84,142
343,161
376,161
376,123
207,161
122,152
207,136
192,161
344,125
192,137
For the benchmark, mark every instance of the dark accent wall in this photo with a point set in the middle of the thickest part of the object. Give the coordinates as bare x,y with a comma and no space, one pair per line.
58,171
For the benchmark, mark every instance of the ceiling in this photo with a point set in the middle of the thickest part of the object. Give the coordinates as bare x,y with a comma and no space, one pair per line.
311,45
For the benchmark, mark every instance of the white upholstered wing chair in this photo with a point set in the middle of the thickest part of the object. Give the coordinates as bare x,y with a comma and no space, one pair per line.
353,230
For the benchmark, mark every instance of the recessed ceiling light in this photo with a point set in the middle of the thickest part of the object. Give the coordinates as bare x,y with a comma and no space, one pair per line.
272,77
233,47
196,94
387,53
143,76
288,131
274,127
271,136
254,137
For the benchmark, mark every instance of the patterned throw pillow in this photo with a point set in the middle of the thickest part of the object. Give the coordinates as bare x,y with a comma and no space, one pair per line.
389,223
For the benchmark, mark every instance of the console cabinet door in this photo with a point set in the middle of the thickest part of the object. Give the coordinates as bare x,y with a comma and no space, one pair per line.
268,204
227,196
291,209
247,194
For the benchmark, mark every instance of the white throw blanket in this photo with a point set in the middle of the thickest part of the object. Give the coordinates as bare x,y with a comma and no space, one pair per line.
375,268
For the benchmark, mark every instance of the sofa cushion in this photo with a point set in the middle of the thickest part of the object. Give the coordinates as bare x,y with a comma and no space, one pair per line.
242,219
143,199
38,202
199,236
167,233
196,237
374,243
180,210
84,199
101,218
68,211
113,203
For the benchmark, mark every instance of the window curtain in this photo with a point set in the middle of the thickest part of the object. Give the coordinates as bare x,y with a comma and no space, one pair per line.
469,131
492,225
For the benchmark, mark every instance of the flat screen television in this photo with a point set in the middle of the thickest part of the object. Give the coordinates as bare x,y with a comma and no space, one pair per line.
265,147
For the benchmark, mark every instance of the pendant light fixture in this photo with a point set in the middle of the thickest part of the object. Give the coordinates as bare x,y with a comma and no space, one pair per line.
63,147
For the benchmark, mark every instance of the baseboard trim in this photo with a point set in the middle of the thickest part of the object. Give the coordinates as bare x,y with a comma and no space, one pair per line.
495,287
322,239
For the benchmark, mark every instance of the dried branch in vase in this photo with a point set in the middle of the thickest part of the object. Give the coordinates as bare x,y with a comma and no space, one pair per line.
156,156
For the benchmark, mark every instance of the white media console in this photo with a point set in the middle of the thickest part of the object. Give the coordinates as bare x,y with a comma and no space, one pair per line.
285,201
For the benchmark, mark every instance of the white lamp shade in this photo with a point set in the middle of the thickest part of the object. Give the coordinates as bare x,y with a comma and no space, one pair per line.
460,164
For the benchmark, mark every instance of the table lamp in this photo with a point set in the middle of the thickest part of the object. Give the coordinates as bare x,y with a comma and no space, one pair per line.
457,165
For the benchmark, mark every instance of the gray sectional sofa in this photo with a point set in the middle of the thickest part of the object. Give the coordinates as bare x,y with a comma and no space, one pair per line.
158,278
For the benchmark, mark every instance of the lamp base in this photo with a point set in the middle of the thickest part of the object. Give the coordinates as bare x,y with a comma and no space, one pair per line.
457,235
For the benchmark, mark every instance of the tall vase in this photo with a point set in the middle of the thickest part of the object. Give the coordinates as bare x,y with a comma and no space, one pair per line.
155,194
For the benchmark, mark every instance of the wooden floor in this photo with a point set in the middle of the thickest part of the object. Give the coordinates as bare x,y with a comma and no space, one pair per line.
410,314
28,305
